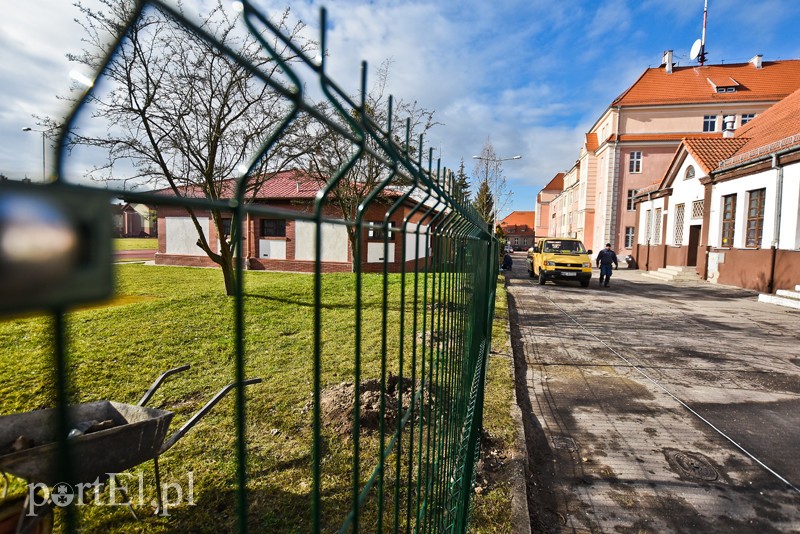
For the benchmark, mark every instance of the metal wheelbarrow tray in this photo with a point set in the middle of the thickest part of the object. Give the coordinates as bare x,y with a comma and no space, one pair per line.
137,436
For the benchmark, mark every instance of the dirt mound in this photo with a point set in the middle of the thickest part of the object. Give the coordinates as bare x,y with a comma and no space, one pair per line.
336,403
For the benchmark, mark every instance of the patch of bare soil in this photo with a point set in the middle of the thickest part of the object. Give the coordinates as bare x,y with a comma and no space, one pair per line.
336,403
493,465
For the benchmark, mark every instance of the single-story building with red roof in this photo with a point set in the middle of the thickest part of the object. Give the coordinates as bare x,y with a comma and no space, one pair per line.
281,242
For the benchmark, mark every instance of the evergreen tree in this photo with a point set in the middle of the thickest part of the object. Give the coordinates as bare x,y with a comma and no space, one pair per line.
462,180
484,203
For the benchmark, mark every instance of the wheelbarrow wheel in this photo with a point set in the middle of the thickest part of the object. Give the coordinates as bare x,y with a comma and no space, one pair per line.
12,510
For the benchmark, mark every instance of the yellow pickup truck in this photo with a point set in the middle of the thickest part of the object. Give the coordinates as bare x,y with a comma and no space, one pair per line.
560,258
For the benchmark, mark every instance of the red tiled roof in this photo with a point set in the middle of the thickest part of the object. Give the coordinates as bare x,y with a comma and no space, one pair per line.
779,122
289,185
285,185
519,218
591,142
292,184
557,183
687,85
648,188
709,152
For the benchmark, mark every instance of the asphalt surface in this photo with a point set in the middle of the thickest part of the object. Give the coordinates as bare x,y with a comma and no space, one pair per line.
656,407
134,255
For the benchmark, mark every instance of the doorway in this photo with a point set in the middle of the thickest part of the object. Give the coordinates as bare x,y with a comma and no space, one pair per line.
694,242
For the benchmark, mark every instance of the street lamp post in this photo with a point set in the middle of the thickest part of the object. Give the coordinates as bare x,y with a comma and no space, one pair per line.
44,172
494,193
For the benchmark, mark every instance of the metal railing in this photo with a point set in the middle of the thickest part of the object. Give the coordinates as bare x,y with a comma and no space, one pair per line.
424,357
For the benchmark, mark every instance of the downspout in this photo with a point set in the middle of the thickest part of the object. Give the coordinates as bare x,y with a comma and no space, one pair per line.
650,226
615,190
776,232
249,247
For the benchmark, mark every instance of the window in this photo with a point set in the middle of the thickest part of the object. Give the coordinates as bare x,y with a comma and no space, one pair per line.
226,228
755,217
747,117
376,231
273,227
649,225
629,231
689,173
728,219
657,227
709,123
679,214
697,209
631,196
635,162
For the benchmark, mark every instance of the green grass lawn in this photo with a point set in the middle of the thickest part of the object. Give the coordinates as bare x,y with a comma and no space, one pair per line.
167,316
136,243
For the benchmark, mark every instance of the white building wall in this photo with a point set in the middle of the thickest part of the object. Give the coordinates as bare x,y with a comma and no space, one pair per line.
685,192
740,187
334,241
181,236
648,209
790,214
414,246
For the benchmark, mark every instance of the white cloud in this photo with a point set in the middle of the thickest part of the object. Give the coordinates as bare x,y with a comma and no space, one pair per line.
533,76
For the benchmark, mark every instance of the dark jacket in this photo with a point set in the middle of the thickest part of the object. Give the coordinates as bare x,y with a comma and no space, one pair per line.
606,257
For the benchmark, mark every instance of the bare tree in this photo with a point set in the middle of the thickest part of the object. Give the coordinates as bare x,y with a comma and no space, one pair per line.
182,112
488,174
330,152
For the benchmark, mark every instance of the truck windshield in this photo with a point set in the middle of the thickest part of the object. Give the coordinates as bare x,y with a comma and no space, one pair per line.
567,247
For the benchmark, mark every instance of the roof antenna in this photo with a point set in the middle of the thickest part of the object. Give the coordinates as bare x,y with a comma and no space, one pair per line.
698,51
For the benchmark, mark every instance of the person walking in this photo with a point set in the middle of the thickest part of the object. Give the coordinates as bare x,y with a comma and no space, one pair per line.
604,260
507,262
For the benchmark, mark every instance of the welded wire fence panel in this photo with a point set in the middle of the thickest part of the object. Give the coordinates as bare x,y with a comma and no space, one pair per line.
372,363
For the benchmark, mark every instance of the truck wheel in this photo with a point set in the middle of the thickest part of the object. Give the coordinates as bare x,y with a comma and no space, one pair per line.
584,283
542,279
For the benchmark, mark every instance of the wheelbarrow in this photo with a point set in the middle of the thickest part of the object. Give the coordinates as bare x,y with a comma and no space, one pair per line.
129,436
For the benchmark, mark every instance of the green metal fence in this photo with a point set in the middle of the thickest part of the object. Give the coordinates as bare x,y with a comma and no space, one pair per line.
417,341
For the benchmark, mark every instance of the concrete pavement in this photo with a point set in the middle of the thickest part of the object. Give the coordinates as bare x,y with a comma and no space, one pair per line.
651,407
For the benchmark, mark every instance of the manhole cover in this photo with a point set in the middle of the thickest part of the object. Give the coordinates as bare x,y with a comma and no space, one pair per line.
564,443
693,466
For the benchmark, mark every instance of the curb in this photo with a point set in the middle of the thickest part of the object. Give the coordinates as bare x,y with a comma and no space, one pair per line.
520,516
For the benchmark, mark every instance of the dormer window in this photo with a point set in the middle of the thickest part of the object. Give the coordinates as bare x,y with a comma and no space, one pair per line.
723,84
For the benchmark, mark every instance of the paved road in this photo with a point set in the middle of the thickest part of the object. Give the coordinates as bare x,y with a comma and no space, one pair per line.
651,407
134,255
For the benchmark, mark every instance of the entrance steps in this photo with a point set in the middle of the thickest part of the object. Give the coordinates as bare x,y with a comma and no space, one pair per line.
783,297
674,274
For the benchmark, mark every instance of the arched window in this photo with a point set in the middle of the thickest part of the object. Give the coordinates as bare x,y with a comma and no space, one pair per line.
689,173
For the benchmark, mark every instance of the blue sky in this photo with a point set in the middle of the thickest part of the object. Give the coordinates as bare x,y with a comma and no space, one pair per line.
531,76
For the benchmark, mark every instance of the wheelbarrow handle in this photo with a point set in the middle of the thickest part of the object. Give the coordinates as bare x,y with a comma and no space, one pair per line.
204,410
160,380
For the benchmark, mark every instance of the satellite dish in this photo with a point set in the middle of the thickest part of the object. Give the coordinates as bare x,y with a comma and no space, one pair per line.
698,44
